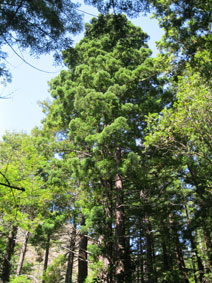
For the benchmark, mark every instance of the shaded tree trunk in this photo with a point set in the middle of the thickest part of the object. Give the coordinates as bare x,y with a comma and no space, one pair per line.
167,250
6,266
179,253
109,232
149,250
46,254
202,250
128,264
194,249
203,203
165,257
140,276
22,255
70,261
82,257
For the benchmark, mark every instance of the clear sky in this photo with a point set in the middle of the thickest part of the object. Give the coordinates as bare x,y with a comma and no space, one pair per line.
21,112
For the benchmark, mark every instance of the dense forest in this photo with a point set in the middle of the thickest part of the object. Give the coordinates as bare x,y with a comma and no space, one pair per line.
115,185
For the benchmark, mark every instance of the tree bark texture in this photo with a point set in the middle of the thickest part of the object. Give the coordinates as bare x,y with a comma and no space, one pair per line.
149,250
119,231
70,261
82,257
6,267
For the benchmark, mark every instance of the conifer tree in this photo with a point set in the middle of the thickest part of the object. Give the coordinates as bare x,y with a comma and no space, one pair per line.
98,113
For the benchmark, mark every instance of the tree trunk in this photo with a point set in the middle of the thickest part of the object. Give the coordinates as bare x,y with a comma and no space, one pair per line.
82,257
165,257
202,250
71,255
203,205
6,266
194,249
140,276
123,262
46,254
179,253
149,250
109,235
119,231
208,244
22,255
167,247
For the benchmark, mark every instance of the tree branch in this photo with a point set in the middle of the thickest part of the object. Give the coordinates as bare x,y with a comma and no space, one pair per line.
8,184
13,187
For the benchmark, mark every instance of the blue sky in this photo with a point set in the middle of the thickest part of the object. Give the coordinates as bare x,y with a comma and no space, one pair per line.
21,111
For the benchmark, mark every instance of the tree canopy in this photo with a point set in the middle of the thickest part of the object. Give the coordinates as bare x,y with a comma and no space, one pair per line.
42,26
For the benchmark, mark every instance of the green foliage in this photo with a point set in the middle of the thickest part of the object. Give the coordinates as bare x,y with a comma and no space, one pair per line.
43,26
20,163
182,127
186,24
27,268
21,279
55,271
131,8
96,269
181,137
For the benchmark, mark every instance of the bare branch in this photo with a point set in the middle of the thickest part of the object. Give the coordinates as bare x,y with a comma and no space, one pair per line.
13,187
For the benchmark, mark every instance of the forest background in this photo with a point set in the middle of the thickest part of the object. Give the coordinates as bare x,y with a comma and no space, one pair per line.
120,169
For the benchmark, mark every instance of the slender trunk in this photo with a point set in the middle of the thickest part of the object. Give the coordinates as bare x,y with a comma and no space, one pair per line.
194,249
208,244
202,252
22,255
106,238
206,232
165,257
119,231
149,250
109,245
128,264
70,263
179,253
154,260
167,248
46,255
123,265
203,205
82,257
141,262
6,266
194,269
